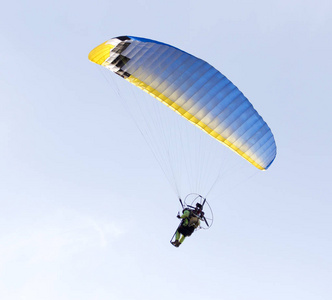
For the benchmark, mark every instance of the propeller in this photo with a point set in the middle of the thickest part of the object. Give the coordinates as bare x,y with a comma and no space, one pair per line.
206,222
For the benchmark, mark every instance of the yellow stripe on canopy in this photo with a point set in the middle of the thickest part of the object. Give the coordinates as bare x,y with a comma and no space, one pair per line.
99,54
162,98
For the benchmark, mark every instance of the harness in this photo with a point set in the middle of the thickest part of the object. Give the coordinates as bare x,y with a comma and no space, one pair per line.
185,227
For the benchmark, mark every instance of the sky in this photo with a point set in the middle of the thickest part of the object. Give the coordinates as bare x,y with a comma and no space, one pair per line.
87,213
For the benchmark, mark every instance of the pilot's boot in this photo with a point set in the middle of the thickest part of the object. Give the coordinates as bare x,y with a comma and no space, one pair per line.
176,243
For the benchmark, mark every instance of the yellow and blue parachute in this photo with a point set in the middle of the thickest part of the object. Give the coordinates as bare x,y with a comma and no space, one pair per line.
195,90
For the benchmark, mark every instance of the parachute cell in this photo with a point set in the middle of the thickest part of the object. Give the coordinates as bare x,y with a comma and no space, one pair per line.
195,90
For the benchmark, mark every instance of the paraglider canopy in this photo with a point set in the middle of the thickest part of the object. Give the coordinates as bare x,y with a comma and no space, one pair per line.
195,90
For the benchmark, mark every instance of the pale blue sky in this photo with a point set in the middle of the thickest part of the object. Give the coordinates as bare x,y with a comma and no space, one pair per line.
86,212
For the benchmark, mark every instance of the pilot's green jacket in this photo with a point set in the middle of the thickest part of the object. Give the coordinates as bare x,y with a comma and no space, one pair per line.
188,221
